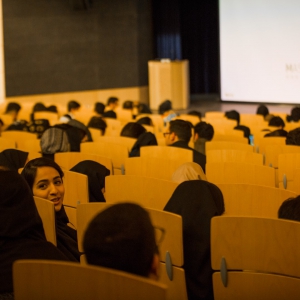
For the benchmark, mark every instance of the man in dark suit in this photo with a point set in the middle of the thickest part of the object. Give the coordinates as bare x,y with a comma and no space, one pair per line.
178,134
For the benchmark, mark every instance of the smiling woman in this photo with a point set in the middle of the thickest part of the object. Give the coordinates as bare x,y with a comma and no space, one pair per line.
45,178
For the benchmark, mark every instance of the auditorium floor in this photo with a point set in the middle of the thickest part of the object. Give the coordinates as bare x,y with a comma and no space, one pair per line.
211,102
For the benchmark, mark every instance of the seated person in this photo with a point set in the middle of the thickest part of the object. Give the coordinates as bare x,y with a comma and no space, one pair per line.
195,113
295,115
45,178
112,104
145,139
293,137
188,171
203,132
125,241
73,107
178,134
21,229
279,123
13,109
13,159
290,209
145,121
99,109
165,110
264,111
132,130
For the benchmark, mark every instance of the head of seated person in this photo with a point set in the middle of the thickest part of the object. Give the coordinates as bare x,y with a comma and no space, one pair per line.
277,122
13,159
45,178
188,171
145,121
293,137
290,209
233,115
262,110
73,106
13,109
122,237
97,123
39,106
132,130
112,103
203,130
178,130
99,108
128,104
195,113
166,111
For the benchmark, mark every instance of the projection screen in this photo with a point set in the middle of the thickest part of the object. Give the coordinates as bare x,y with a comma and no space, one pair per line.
260,50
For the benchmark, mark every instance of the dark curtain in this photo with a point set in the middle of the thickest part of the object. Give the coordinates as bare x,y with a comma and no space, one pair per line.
190,30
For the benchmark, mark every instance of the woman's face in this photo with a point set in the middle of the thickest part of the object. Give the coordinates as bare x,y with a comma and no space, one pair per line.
48,185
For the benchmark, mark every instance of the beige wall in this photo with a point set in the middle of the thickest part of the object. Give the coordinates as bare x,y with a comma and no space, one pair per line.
2,75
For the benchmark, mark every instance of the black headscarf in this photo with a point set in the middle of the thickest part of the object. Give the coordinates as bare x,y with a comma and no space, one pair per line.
197,202
145,139
21,230
96,174
13,159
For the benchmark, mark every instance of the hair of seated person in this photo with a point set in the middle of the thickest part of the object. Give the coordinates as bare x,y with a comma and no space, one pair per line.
276,122
125,239
145,121
195,113
182,129
128,104
30,169
204,130
233,115
12,106
290,209
99,108
132,130
112,100
97,123
73,105
262,110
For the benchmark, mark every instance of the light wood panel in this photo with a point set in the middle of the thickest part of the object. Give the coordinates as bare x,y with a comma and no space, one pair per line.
41,279
117,152
231,172
174,153
226,155
253,200
76,188
122,140
148,192
151,167
68,160
18,136
47,213
7,144
219,145
264,246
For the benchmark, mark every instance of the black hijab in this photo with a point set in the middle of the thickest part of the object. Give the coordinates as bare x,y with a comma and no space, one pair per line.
21,230
197,202
13,159
145,139
96,174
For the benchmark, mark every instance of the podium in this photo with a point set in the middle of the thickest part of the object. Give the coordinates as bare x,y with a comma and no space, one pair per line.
169,80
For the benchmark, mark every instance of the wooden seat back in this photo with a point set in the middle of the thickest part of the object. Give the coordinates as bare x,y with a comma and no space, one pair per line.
226,155
68,160
253,200
256,258
76,188
117,152
47,213
145,191
41,279
220,145
232,172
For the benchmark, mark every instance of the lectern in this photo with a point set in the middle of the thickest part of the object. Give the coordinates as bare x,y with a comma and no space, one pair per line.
169,80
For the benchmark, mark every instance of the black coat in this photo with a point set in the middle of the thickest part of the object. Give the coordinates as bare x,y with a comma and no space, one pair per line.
197,202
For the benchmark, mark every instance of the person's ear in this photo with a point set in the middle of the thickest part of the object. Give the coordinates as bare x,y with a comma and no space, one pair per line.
172,136
196,136
155,267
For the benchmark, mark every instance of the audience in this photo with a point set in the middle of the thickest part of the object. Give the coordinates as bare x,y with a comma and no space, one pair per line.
263,111
178,134
290,209
13,159
21,230
122,237
73,107
145,139
97,123
203,132
279,123
45,178
165,110
295,115
96,174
